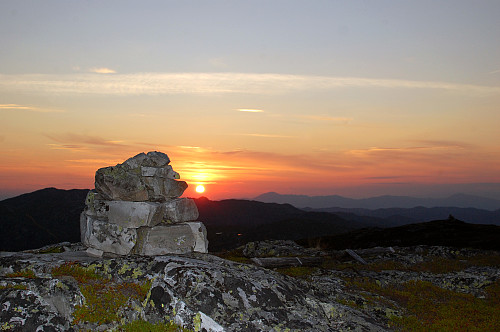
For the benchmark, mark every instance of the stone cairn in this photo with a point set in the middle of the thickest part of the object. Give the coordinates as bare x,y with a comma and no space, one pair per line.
135,209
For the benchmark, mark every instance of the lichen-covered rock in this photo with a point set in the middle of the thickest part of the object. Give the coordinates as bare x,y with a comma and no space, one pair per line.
207,293
144,177
199,292
106,236
172,239
179,210
133,214
277,248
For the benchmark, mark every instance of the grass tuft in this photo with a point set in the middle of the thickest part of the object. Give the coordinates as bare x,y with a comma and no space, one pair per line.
144,326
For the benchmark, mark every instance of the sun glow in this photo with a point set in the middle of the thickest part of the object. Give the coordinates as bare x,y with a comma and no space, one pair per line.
200,188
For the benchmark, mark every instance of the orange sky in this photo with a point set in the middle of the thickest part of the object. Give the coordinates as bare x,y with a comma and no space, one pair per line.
359,99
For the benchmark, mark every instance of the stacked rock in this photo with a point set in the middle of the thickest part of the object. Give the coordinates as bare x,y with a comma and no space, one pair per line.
135,209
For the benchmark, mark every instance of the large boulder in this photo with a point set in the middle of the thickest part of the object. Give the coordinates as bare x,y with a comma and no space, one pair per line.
145,177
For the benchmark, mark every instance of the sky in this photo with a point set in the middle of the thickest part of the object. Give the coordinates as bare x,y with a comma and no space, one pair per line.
355,98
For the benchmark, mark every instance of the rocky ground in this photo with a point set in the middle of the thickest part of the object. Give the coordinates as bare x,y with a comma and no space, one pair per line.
424,288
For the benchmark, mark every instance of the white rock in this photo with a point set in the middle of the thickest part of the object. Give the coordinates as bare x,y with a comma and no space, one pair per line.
180,210
107,237
200,236
94,252
134,214
171,239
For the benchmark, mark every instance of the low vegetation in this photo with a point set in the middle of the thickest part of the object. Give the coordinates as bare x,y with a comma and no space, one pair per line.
105,299
26,273
144,326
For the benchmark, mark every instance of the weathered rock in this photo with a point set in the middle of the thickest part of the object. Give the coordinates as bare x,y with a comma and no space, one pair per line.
199,292
161,189
277,248
200,236
180,210
207,293
134,214
119,183
106,236
144,177
171,239
95,205
162,172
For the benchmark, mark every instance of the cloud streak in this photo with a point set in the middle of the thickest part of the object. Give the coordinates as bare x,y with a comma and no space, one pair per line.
249,110
14,107
215,83
102,70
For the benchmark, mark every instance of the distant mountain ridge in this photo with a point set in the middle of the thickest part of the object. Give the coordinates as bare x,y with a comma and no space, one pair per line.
51,215
380,202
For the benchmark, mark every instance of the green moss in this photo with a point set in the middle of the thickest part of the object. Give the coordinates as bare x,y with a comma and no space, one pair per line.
80,273
26,273
235,255
297,271
104,299
349,303
436,265
144,326
431,308
52,250
22,287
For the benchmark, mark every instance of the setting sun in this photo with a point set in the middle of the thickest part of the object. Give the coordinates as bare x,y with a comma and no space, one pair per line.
200,188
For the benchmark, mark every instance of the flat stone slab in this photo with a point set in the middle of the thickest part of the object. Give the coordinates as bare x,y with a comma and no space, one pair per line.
179,210
134,214
141,214
172,239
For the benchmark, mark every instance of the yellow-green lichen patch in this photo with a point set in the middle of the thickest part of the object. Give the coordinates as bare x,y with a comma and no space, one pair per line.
133,273
197,322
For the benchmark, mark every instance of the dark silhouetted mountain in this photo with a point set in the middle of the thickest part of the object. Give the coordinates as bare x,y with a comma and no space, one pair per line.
316,202
231,223
40,218
399,216
51,215
450,232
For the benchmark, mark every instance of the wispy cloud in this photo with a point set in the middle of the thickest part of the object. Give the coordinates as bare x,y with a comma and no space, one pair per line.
14,107
215,83
78,141
73,147
495,72
249,110
102,70
322,118
267,135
